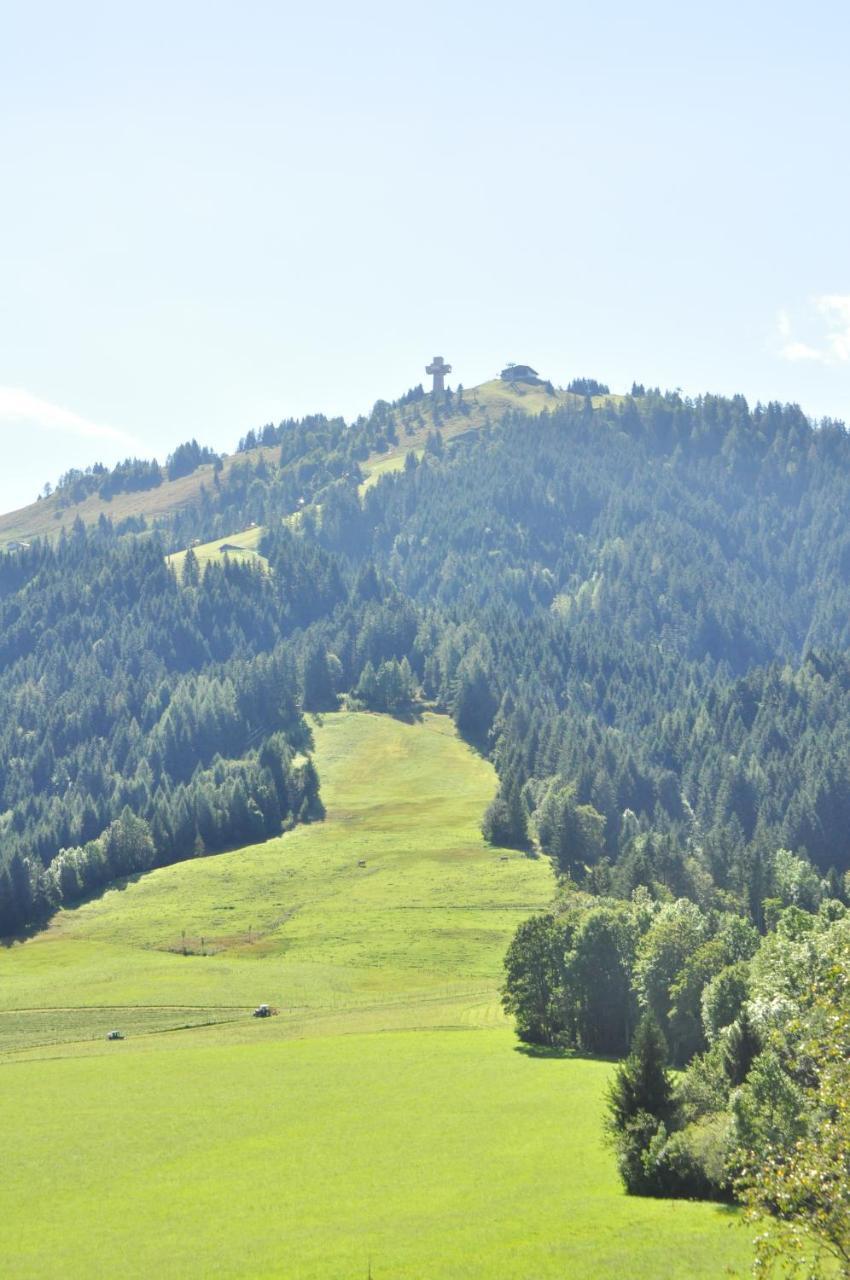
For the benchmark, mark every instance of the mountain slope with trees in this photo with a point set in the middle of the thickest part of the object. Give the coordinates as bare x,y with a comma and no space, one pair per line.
637,606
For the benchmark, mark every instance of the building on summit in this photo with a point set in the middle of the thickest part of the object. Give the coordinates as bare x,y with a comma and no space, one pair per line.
521,373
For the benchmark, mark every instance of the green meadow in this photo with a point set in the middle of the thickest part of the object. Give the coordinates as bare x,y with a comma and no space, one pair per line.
386,1119
241,546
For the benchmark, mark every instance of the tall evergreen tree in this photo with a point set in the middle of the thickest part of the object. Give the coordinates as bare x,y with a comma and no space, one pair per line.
642,1082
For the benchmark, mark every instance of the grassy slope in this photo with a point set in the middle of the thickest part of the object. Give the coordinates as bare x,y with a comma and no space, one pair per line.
247,541
416,935
47,518
302,1145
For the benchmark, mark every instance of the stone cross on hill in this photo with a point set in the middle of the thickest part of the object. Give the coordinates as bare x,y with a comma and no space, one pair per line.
439,369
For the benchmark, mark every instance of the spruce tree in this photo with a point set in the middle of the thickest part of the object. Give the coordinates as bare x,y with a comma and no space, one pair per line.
641,1106
641,1083
191,570
505,821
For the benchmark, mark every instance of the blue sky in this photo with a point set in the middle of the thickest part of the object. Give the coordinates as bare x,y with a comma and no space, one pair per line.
215,215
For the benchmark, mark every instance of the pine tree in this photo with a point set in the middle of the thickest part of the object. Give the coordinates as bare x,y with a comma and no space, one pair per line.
640,1106
641,1082
191,570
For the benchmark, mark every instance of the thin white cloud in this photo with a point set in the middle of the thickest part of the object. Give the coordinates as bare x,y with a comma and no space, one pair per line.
829,315
19,406
802,351
835,308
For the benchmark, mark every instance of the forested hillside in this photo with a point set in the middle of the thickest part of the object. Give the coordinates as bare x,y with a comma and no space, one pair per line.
142,722
637,605
642,610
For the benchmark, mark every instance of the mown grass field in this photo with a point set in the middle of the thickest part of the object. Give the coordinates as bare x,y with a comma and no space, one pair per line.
387,1113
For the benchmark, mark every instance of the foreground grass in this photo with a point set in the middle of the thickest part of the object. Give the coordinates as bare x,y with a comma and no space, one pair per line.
435,1154
387,1113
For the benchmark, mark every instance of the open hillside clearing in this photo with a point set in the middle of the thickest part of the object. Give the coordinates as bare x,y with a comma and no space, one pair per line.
240,546
387,1113
49,516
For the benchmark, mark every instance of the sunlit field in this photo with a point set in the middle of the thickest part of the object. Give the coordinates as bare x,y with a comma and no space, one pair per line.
386,1118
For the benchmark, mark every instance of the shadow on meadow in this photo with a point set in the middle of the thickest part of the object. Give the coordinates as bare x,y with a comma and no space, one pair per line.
97,891
560,1053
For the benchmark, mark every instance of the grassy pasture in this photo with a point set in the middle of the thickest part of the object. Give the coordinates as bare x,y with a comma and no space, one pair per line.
246,544
47,518
384,463
419,931
434,1154
386,1113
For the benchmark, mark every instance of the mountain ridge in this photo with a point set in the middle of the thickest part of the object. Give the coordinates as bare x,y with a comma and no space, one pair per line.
49,516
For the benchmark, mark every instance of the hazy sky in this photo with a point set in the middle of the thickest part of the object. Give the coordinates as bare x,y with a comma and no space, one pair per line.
214,215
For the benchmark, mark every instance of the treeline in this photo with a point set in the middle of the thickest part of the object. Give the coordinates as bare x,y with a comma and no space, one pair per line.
127,691
588,387
187,457
233,803
581,975
133,475
373,432
278,469
706,991
261,486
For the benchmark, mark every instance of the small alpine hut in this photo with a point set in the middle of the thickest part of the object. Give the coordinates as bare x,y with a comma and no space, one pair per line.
521,373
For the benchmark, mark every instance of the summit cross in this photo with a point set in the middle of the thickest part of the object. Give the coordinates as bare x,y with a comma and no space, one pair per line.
439,369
